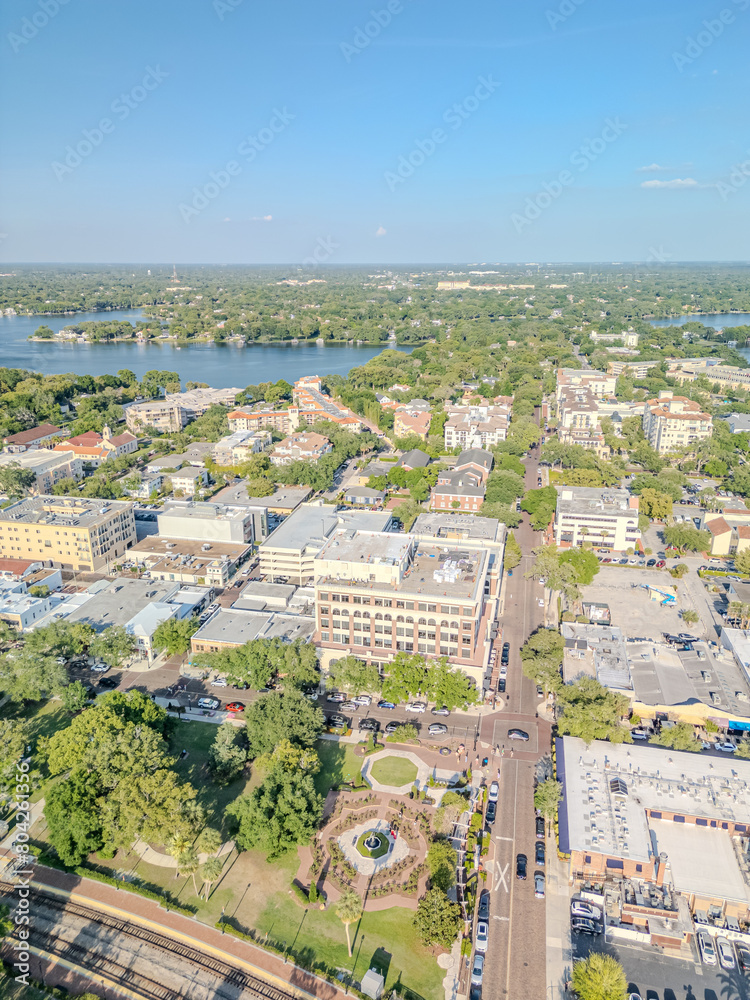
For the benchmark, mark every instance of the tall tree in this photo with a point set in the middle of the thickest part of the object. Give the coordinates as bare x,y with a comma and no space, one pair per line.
26,676
227,756
599,977
281,813
72,811
442,860
547,795
437,919
210,871
276,716
591,712
174,635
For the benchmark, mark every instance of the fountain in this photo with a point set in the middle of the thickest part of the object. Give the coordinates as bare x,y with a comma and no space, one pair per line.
373,841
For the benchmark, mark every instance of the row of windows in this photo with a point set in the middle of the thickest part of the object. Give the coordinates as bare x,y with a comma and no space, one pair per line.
384,602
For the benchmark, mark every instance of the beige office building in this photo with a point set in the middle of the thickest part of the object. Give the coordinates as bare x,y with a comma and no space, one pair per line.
673,422
74,533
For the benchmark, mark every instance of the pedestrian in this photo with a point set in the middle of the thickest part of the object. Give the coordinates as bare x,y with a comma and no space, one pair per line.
498,774
511,751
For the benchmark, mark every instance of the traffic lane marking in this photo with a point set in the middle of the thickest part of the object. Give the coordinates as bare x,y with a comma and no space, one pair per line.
501,875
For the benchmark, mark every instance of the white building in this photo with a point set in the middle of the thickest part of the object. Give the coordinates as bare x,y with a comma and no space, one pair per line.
607,519
672,422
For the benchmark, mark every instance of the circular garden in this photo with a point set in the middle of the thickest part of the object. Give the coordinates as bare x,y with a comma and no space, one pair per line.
373,844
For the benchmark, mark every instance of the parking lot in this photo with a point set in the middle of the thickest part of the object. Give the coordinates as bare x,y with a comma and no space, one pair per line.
632,610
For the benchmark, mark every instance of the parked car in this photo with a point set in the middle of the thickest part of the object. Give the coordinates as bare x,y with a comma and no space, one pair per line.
539,853
494,792
521,862
336,696
369,725
726,953
582,926
583,908
539,825
743,956
440,711
490,812
349,706
100,668
539,885
219,682
661,564
362,699
386,704
727,747
501,685
235,706
482,935
208,703
483,911
638,734
391,727
437,729
338,722
477,969
108,682
417,707
706,948
651,562
518,734
505,655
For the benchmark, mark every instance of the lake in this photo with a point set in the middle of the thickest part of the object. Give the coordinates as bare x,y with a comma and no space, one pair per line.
717,320
220,365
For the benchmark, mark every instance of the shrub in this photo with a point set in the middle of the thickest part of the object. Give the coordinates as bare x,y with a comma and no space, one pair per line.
300,893
568,616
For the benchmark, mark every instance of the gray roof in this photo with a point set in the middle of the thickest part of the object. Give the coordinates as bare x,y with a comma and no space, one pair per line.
287,496
362,492
414,459
122,600
477,456
449,525
238,627
311,524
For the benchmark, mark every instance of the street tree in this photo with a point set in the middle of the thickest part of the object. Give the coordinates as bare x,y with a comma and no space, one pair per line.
585,565
681,736
447,687
547,795
405,678
592,712
174,635
349,910
541,658
276,716
210,872
25,676
114,645
599,977
513,552
437,919
75,697
442,860
355,676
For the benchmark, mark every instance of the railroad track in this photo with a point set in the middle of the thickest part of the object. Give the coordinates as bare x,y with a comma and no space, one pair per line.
234,978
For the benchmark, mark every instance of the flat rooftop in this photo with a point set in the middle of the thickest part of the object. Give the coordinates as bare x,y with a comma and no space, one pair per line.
585,499
606,644
67,512
236,627
688,847
459,526
193,511
595,816
177,547
287,498
121,600
311,524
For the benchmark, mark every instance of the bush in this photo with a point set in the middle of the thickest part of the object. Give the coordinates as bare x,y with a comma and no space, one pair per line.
300,893
568,616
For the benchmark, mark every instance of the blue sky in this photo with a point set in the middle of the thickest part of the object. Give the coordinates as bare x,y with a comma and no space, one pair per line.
249,132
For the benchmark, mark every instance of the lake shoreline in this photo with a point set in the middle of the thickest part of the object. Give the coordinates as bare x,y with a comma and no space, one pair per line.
232,342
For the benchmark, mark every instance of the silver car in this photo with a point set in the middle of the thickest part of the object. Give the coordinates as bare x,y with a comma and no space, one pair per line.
482,936
477,969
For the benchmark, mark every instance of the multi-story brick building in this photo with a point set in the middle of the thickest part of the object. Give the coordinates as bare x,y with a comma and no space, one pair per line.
380,593
48,466
73,532
672,422
463,487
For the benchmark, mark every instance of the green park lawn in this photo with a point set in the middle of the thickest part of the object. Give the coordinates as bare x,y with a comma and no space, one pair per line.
338,763
394,771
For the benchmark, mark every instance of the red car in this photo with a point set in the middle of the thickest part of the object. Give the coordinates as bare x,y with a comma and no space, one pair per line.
661,564
235,706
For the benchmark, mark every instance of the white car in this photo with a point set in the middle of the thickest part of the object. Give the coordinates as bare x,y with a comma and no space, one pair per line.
415,706
582,908
219,682
208,703
100,668
362,699
706,948
726,747
726,953
482,936
494,792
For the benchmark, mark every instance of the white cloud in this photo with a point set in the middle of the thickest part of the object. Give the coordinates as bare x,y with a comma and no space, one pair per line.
679,183
261,218
227,219
652,168
380,231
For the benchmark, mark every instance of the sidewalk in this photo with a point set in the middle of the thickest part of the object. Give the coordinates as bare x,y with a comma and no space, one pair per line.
191,931
559,949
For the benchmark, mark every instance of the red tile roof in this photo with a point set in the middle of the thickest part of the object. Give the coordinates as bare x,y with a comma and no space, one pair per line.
33,434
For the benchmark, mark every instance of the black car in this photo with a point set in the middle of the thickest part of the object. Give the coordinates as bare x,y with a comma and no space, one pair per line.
539,853
338,721
501,685
743,956
540,826
490,812
483,913
581,925
505,655
651,562
371,725
521,862
109,682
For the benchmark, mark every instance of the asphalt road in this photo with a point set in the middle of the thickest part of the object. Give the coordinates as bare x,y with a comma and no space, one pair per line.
516,966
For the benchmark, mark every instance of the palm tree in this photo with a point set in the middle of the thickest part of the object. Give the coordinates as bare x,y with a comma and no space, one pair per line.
209,841
177,847
349,909
188,864
210,872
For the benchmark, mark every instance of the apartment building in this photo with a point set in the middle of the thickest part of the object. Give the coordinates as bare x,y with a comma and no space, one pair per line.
725,376
408,421
48,466
239,446
607,519
305,447
206,522
379,593
476,426
188,480
287,555
671,422
284,421
315,405
577,408
590,438
177,409
73,532
601,384
628,338
463,487
636,369
35,437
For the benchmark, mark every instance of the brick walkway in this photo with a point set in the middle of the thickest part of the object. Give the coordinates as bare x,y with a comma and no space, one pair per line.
204,937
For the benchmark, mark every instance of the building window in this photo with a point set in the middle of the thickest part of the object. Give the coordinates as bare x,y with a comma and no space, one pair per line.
466,653
324,637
